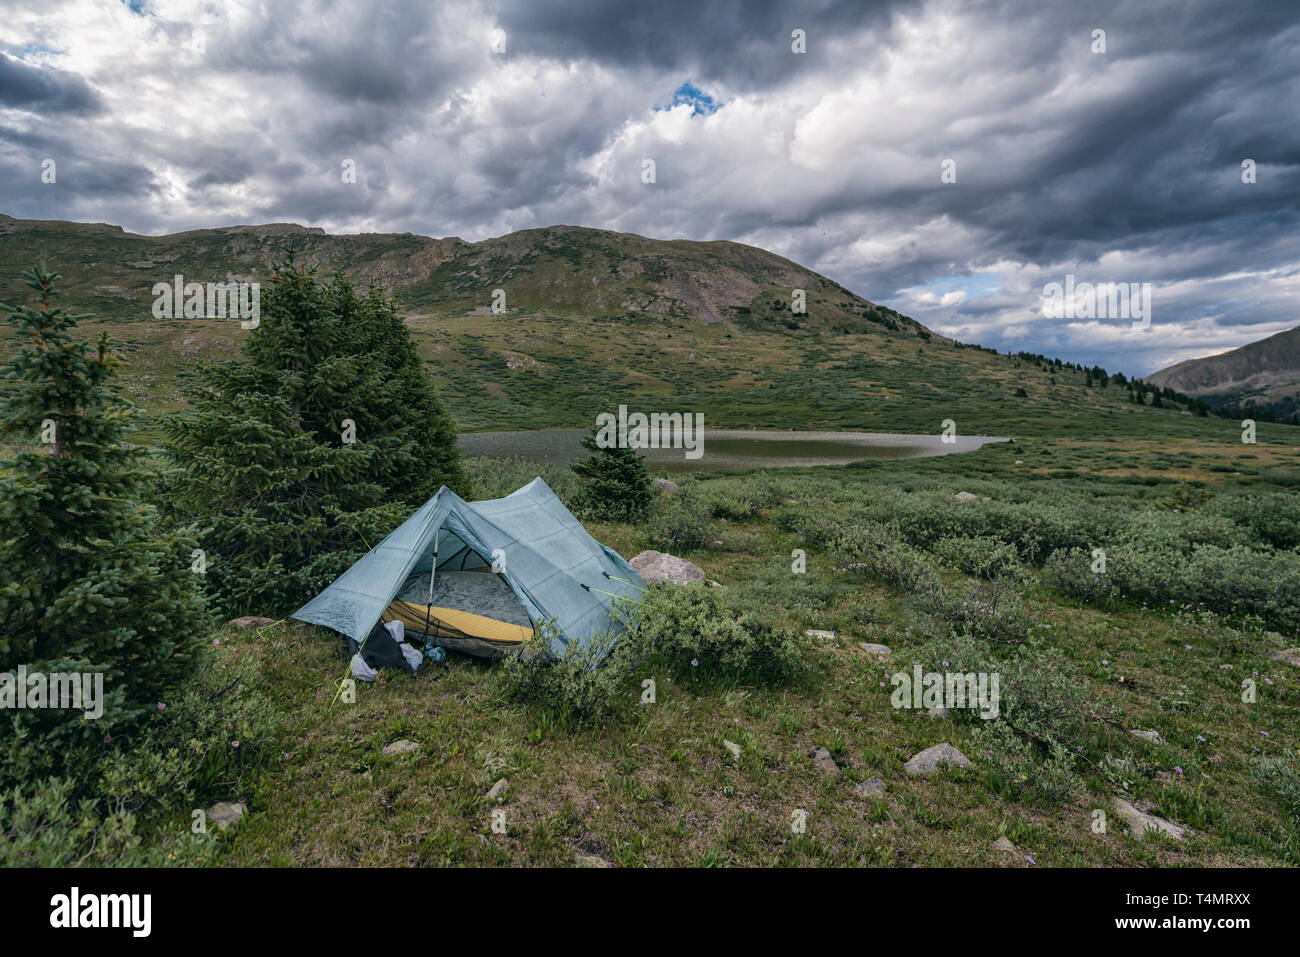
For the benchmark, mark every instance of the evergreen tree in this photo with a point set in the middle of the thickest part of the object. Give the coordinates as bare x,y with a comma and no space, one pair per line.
88,583
313,447
614,484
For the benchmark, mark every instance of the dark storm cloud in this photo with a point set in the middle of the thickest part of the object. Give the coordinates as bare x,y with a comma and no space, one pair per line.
741,42
1121,166
24,86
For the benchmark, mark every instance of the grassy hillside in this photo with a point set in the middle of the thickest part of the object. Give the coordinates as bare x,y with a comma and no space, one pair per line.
591,316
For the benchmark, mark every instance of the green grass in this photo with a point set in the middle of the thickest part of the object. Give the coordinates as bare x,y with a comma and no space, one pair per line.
654,785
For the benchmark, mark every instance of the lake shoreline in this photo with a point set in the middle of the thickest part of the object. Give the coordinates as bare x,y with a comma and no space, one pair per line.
726,449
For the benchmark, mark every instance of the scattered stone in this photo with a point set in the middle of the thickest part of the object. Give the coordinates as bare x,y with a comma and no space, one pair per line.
938,712
667,486
661,567
1004,845
734,748
871,649
251,621
930,759
1289,655
824,762
1019,462
872,787
402,747
819,633
966,496
1140,822
1152,736
498,789
590,860
225,813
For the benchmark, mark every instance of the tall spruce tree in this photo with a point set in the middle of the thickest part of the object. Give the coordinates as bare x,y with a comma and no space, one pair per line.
312,447
88,582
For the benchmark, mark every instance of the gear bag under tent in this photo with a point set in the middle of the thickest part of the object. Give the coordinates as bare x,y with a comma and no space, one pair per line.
436,574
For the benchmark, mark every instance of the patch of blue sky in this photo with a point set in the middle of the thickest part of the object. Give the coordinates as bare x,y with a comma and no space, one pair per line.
688,94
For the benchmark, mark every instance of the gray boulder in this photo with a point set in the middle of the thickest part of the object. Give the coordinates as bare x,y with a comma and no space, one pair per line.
251,621
225,813
872,787
661,567
1140,823
929,760
825,763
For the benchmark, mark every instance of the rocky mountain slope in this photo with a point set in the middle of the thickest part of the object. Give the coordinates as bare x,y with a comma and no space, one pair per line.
1263,375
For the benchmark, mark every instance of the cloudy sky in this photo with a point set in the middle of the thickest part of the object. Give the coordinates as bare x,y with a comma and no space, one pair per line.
477,118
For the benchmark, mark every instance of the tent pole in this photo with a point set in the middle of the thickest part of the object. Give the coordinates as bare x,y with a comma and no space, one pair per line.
433,570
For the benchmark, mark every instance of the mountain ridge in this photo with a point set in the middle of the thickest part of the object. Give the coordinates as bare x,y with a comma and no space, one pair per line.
588,316
1263,375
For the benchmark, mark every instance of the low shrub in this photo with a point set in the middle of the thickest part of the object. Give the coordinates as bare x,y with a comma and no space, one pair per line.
1235,581
681,522
44,825
584,686
201,743
694,630
1279,778
982,557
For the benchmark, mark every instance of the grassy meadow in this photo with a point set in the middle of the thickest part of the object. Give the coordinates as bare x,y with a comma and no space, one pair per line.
1201,532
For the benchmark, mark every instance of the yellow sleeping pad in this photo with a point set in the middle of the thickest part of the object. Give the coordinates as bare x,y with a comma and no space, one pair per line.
452,623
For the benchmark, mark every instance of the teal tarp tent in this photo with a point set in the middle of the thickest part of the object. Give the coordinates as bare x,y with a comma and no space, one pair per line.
436,574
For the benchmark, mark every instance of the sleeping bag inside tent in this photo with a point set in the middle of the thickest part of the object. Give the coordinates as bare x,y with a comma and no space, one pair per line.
482,577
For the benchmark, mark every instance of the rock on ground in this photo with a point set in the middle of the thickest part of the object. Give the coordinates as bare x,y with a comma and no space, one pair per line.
667,486
824,762
872,649
225,813
1289,655
1152,736
498,789
661,567
1003,844
872,787
965,496
251,621
402,747
819,633
930,759
590,860
1140,822
733,748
